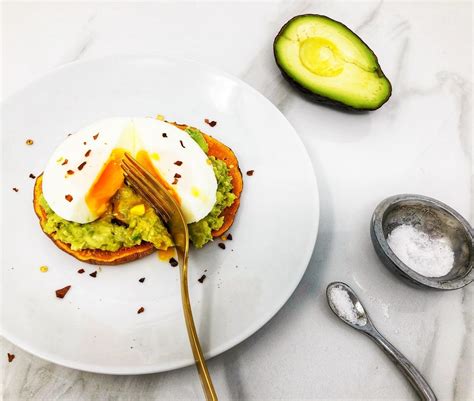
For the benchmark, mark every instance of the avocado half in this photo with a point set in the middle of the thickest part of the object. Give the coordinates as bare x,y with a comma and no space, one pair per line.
326,60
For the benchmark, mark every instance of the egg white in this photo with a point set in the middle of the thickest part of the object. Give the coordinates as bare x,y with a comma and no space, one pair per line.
196,186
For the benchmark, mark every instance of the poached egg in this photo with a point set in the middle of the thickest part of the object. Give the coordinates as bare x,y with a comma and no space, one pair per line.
84,172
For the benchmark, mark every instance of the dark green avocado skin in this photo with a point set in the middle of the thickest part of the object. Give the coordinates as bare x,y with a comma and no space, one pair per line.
317,98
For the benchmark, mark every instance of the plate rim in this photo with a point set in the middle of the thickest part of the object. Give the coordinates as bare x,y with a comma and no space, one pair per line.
243,336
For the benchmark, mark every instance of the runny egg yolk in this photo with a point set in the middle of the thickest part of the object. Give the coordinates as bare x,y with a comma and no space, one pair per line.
144,159
107,183
166,254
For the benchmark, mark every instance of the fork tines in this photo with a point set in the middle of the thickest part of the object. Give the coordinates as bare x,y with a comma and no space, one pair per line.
148,187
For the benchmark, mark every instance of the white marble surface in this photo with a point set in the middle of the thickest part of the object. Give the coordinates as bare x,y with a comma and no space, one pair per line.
420,141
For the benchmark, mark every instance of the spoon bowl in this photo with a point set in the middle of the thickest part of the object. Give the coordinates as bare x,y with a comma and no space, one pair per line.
340,296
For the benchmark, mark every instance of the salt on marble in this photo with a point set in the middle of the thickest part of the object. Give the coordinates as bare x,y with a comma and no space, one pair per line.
345,307
428,256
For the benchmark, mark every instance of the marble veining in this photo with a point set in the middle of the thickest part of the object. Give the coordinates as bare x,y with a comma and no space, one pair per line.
303,352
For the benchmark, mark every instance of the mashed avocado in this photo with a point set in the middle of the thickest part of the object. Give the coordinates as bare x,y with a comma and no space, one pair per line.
200,232
196,135
116,228
129,220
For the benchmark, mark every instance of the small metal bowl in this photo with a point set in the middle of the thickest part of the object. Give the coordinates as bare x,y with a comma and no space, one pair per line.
432,217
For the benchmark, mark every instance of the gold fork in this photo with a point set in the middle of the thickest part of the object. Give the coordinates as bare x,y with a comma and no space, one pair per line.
167,208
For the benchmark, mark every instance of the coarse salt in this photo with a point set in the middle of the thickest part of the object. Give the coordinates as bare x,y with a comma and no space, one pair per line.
345,307
428,256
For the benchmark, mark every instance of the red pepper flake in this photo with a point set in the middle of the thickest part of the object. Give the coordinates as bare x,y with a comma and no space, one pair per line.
61,293
177,175
178,162
141,310
64,162
81,166
93,274
29,142
175,181
250,173
69,198
95,136
211,123
165,135
87,154
173,262
142,280
221,245
182,144
32,176
15,189
80,271
70,172
229,237
11,357
202,278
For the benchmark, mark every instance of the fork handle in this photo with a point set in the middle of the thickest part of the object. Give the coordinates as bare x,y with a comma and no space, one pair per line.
201,365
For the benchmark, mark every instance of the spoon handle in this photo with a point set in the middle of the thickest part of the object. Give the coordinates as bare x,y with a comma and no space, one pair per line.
415,378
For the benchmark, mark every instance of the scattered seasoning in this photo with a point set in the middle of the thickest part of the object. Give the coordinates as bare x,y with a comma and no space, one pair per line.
141,310
221,245
85,143
61,293
430,256
250,173
81,271
81,166
142,280
95,136
93,274
11,357
70,172
118,222
173,262
64,162
87,154
69,134
231,166
29,141
15,189
211,123
182,144
69,198
178,162
202,278
32,176
43,269
165,135
175,181
229,237
177,175
160,117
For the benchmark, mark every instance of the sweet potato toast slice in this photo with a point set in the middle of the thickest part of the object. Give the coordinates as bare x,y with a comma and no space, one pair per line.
92,256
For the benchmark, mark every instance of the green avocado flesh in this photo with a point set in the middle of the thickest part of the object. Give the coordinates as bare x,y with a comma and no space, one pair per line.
118,227
325,58
115,229
201,231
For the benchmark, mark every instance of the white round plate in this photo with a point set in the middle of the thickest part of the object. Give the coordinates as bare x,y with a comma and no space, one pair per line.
96,326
